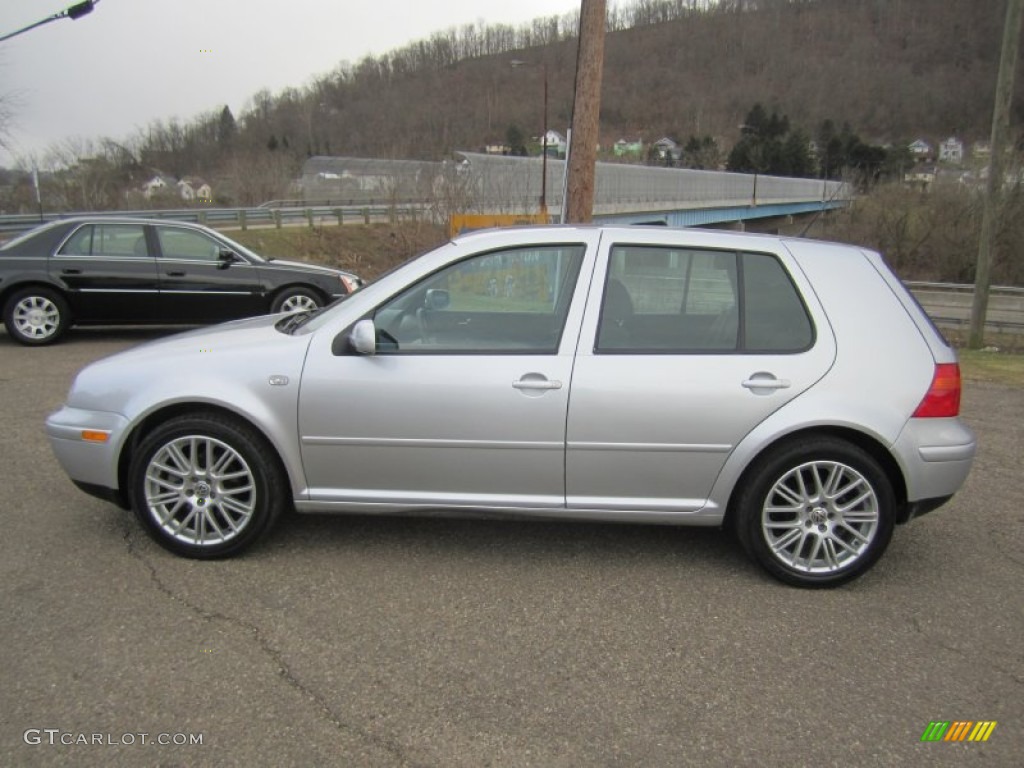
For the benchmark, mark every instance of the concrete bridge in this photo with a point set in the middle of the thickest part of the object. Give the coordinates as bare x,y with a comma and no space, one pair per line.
629,194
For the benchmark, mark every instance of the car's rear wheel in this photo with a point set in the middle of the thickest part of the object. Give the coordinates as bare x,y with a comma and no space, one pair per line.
816,513
297,300
206,486
36,316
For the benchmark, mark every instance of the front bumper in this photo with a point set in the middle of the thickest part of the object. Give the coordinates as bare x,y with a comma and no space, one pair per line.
91,463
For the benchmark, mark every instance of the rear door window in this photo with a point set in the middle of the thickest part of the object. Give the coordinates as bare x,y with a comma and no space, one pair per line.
116,240
663,299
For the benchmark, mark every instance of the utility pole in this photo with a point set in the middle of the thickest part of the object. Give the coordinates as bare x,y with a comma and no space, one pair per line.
993,190
586,112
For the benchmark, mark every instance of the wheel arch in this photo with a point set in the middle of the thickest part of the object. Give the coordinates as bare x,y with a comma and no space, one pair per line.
148,423
10,288
321,293
867,443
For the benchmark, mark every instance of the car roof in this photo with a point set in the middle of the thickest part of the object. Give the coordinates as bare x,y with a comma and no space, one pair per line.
536,233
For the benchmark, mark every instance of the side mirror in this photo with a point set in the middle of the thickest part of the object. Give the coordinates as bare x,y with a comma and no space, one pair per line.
226,258
437,299
363,337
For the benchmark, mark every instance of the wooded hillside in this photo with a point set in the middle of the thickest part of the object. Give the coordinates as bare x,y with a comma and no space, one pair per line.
893,70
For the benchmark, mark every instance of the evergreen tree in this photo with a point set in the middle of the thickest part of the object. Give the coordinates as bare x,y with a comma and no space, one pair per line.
226,127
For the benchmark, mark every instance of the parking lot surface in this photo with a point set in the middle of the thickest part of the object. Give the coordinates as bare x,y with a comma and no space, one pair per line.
362,641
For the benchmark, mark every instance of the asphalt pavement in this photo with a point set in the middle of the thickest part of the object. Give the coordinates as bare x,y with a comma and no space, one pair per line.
359,641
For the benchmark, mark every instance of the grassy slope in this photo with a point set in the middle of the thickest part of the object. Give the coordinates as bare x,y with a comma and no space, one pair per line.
368,251
992,366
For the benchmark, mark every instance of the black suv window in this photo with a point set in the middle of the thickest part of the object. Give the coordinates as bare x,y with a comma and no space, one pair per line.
660,299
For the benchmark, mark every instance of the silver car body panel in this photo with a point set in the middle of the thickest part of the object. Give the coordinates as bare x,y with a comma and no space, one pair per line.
503,450
228,366
635,437
651,432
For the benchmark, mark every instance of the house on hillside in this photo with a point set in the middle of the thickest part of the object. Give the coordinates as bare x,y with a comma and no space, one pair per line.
190,189
555,143
628,147
194,189
156,185
920,149
951,150
922,176
668,148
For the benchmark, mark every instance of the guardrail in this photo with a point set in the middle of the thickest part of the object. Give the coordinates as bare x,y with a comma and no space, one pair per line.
949,305
240,218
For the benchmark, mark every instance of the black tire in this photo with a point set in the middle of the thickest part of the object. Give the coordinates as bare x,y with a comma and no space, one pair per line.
206,486
36,316
296,299
816,513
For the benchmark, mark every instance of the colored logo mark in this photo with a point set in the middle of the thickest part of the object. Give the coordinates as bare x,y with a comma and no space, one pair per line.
958,730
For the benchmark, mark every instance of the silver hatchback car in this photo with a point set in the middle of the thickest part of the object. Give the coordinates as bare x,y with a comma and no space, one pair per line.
792,390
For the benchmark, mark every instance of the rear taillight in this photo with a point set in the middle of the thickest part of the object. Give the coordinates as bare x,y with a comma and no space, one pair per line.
943,397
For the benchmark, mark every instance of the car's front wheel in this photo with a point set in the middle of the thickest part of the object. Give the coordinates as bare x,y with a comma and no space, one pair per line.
36,316
816,513
297,300
205,486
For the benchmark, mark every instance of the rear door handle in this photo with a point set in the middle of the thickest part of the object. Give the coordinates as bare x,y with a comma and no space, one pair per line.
525,383
71,271
176,274
765,381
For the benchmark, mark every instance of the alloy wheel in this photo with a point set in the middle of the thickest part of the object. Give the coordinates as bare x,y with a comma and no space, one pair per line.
199,490
820,517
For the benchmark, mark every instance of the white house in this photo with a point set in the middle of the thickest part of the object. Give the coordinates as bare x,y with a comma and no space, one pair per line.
951,150
155,185
191,188
920,148
666,147
555,142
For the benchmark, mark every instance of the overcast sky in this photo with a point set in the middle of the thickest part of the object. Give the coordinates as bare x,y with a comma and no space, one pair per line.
132,61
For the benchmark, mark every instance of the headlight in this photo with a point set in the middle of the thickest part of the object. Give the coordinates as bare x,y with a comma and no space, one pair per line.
351,283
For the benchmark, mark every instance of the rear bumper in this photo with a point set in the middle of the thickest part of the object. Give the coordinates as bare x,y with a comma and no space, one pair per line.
915,509
936,456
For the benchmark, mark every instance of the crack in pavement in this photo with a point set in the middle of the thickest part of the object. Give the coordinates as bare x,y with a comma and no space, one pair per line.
285,671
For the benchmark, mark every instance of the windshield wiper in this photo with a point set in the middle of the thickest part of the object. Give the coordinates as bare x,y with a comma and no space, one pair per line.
292,322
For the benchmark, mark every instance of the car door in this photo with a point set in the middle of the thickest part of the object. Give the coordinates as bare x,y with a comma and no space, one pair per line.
199,284
108,273
464,402
683,352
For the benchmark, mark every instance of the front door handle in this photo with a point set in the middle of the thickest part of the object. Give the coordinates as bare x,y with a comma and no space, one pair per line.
176,274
